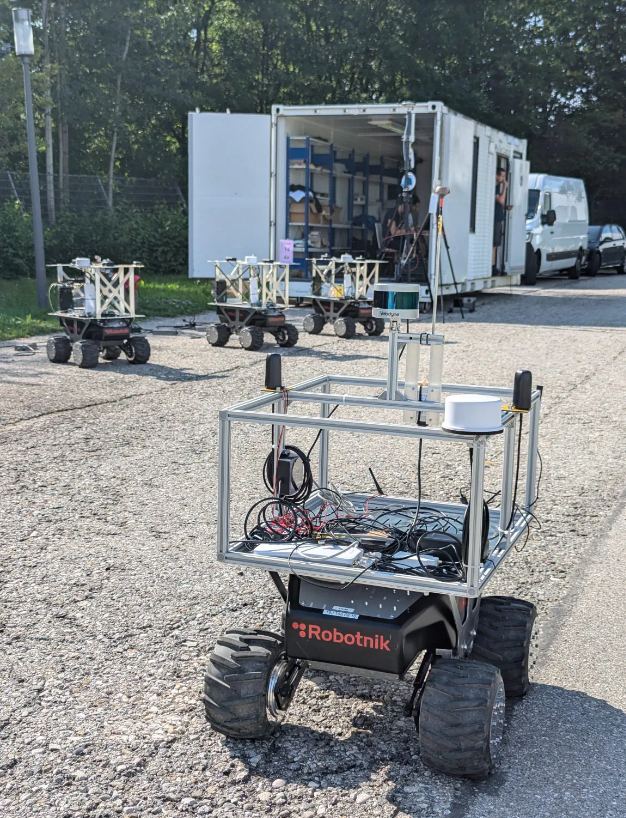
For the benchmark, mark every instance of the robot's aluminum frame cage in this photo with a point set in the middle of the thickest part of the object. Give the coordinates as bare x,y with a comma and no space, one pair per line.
258,283
320,391
361,272
107,291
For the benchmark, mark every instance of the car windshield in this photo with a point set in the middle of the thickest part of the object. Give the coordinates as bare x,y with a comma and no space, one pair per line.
594,232
533,201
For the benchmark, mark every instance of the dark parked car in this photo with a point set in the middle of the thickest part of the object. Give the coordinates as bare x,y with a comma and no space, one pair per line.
606,248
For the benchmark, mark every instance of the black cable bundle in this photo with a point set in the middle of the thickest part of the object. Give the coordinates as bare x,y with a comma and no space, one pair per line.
306,487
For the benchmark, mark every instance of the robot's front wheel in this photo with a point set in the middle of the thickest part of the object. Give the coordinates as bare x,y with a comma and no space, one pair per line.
461,717
244,686
59,349
137,349
286,336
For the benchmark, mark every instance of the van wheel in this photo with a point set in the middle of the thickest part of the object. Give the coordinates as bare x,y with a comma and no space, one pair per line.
574,272
594,263
531,267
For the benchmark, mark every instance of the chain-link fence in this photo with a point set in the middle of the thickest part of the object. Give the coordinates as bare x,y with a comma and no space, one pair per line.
90,192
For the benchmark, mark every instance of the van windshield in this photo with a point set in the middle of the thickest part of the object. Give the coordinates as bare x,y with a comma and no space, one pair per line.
533,201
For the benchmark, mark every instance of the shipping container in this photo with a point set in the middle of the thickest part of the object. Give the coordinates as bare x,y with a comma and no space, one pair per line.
327,177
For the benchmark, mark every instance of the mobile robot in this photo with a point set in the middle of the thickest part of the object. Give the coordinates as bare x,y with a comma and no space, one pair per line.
377,584
96,311
250,300
342,292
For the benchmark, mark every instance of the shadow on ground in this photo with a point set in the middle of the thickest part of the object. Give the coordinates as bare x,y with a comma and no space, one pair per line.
159,372
563,755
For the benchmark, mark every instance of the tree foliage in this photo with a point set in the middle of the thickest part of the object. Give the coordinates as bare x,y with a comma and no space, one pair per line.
552,71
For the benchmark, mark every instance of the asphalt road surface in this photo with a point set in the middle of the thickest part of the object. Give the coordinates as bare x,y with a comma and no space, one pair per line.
111,597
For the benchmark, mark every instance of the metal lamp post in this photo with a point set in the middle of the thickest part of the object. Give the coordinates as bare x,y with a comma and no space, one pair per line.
25,49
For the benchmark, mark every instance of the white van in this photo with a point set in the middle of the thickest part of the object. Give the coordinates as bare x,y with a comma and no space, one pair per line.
556,226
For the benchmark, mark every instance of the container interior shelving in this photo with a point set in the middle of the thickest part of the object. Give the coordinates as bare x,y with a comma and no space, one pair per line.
349,187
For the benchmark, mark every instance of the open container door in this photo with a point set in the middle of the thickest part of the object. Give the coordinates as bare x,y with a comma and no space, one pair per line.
516,239
458,144
229,189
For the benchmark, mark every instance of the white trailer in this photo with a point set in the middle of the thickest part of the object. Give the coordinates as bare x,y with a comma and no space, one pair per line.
246,171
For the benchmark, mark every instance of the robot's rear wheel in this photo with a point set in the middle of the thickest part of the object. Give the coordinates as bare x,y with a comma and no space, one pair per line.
86,354
111,353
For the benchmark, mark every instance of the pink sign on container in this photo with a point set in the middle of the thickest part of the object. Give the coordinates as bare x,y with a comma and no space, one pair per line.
285,251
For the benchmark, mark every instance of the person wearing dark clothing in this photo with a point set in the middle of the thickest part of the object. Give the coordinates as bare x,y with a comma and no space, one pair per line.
499,216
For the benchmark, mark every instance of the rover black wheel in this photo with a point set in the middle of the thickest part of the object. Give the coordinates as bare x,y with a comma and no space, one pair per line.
374,326
217,335
503,638
251,338
137,350
241,683
461,717
59,349
286,336
86,354
111,353
345,327
313,323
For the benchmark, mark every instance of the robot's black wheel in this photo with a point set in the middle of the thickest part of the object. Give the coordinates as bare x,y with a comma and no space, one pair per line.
137,350
313,323
86,354
345,327
461,718
251,338
286,336
59,349
374,326
241,682
217,334
503,638
111,353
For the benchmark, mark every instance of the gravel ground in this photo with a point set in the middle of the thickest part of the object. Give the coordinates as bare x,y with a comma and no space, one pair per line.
112,597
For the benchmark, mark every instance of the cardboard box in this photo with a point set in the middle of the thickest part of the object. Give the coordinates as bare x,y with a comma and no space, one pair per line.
333,213
296,213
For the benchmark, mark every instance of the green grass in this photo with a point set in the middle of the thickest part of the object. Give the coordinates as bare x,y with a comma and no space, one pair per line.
157,295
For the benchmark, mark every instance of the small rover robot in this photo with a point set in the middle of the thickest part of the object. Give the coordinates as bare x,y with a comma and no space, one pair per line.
250,300
342,296
96,311
382,585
